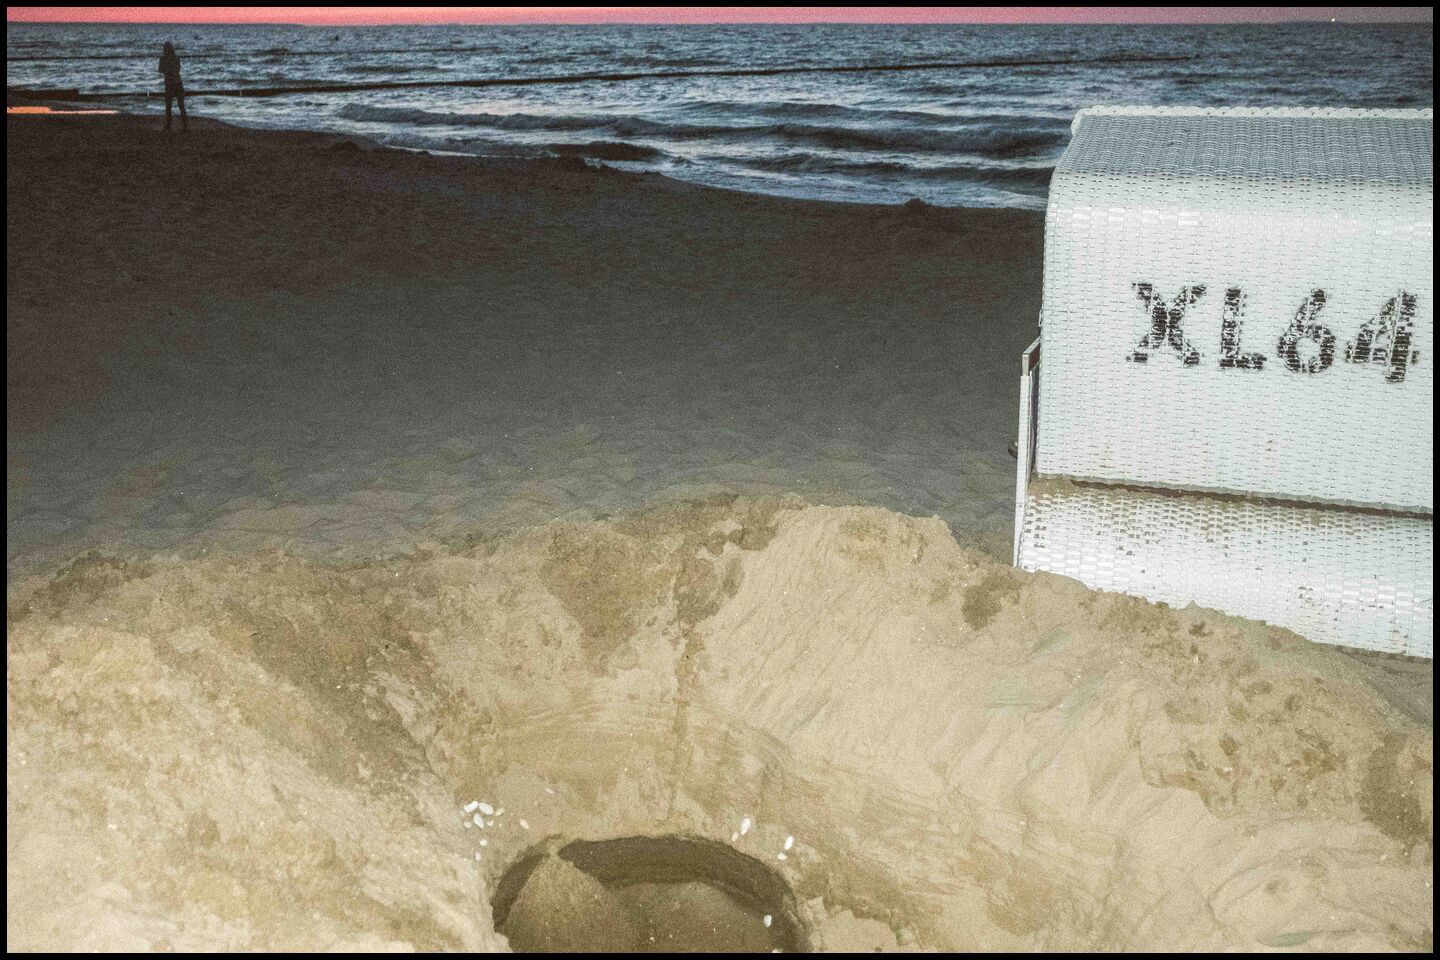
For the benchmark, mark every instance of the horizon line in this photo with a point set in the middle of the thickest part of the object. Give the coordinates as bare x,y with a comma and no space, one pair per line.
338,16
719,23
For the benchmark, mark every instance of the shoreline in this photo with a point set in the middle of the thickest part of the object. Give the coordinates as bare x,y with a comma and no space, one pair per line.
315,343
619,154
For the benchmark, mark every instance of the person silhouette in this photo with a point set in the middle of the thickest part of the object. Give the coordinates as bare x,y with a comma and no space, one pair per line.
174,89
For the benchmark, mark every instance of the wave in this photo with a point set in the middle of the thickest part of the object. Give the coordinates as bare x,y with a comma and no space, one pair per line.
960,111
605,150
1003,137
981,139
802,109
1035,179
828,164
813,164
649,61
415,116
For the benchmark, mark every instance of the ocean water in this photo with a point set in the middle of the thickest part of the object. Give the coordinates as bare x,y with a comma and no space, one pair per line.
969,127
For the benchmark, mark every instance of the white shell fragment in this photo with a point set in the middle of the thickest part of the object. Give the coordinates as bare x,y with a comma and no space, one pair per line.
768,919
781,856
479,821
524,824
470,807
484,842
485,808
500,811
789,842
477,854
734,837
745,826
490,823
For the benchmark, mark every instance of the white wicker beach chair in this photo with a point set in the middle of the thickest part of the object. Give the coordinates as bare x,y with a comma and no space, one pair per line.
1230,401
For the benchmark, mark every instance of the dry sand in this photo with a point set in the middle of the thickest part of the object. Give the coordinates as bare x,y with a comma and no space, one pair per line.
346,433
272,752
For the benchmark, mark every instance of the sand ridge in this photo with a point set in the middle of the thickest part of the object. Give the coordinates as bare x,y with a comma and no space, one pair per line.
272,752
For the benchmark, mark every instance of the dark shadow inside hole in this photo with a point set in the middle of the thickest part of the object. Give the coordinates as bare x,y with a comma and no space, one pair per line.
645,894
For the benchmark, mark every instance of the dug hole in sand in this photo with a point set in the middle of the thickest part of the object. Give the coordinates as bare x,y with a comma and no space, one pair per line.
269,752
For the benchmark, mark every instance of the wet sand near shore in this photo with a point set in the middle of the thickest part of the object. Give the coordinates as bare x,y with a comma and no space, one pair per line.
241,338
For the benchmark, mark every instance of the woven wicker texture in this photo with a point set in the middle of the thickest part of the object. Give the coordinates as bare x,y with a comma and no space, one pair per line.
1333,575
1242,301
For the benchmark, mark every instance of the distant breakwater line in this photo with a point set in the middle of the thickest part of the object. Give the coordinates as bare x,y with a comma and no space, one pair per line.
596,78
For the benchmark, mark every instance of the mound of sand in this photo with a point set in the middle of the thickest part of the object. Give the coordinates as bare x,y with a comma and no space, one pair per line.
263,751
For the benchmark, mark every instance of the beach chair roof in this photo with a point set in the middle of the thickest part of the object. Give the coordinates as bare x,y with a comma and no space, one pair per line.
1241,301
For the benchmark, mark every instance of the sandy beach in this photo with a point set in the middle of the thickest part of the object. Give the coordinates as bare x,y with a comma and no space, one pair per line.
257,338
349,488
